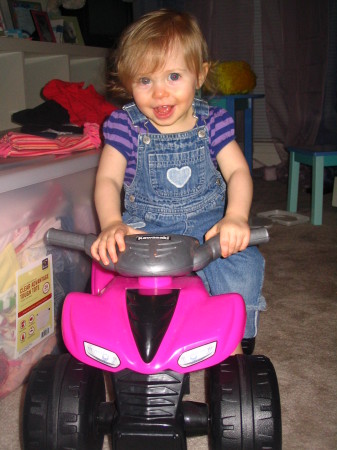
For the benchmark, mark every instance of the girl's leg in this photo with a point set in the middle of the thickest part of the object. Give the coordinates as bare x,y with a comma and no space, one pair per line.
241,273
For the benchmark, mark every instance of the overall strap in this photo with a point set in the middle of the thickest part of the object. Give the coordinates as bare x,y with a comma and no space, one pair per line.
136,116
201,108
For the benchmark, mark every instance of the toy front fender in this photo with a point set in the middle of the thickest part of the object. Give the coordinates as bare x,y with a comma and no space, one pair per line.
198,320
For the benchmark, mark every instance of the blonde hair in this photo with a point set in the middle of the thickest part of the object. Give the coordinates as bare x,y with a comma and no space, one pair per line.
145,44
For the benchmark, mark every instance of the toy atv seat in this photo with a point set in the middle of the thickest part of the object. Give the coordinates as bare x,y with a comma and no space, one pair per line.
147,325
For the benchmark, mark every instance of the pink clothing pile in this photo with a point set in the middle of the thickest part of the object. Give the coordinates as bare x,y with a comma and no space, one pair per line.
23,145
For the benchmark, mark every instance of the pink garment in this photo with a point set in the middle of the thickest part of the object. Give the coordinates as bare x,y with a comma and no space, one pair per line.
22,145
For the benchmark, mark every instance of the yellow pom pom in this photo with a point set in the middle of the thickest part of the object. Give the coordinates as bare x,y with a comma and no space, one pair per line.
234,77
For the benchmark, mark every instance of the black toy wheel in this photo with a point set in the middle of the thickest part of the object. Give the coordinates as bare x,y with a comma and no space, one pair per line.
245,404
248,345
61,404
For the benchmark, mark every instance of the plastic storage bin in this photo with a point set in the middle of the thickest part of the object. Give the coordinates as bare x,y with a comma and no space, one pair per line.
34,196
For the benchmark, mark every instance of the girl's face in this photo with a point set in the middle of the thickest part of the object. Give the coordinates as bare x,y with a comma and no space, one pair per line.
165,96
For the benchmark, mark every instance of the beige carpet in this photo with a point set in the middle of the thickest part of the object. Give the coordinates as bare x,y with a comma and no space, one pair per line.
297,332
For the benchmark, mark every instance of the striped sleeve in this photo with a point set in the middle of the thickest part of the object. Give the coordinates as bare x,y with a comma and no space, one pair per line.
119,132
220,129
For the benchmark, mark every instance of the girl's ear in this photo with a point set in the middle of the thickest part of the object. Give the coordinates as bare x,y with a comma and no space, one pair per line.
203,74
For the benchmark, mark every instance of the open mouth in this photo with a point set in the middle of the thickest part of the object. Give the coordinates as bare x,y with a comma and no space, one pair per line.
163,111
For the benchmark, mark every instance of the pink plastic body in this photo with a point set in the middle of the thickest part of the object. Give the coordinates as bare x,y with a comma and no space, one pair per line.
101,319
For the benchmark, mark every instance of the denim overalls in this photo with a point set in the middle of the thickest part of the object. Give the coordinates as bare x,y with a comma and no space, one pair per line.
177,190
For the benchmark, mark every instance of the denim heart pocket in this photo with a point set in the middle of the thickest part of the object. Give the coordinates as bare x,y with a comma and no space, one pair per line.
179,177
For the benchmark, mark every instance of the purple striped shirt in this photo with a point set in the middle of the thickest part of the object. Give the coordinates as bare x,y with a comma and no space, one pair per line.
120,133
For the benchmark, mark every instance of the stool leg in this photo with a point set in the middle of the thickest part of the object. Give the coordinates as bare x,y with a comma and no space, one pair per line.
334,194
294,170
317,190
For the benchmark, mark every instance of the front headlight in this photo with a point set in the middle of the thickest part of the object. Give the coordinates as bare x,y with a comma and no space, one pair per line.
196,355
101,355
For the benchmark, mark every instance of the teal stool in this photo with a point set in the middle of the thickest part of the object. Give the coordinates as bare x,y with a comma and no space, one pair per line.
318,157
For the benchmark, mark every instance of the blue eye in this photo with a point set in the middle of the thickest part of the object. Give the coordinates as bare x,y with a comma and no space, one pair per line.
174,76
144,80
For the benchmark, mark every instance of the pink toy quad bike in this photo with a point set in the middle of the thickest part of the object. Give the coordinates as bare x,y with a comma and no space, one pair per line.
147,324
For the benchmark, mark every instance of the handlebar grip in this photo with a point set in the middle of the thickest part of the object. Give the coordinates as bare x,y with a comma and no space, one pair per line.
211,249
258,236
68,239
75,241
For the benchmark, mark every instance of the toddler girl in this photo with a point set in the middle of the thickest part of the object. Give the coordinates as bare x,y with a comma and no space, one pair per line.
164,148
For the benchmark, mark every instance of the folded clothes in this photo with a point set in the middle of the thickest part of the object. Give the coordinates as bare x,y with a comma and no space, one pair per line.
51,132
82,104
48,120
23,145
48,114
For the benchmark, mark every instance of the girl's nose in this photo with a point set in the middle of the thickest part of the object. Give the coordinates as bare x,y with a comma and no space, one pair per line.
159,90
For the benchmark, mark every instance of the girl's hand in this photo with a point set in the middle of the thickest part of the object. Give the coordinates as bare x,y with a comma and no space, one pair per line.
111,238
234,234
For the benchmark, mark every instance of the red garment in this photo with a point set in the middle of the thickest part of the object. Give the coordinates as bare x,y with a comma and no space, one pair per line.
83,105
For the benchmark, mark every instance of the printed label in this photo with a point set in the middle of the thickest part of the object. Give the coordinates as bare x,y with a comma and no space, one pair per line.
34,304
151,238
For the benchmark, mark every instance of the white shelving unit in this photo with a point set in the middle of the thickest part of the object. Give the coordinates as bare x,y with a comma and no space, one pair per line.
26,66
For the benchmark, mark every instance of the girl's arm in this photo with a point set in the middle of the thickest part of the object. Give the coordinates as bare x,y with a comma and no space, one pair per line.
233,228
109,183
